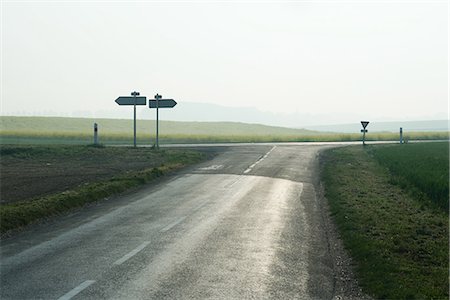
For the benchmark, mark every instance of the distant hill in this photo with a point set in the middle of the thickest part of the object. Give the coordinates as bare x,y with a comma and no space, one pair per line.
412,126
208,112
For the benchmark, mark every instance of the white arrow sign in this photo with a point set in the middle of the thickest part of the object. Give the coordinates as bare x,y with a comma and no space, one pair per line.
162,103
127,100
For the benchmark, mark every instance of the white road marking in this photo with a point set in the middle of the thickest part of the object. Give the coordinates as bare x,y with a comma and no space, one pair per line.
178,221
198,207
131,254
259,160
168,227
229,185
76,290
213,167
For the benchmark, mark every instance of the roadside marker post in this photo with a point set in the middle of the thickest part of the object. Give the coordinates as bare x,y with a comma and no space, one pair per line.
401,135
134,100
364,130
95,134
160,103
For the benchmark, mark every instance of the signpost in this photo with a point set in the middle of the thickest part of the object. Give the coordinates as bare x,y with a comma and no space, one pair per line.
126,100
364,130
160,103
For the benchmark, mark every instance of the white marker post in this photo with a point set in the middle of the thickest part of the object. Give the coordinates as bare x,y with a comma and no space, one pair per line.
364,130
95,134
401,135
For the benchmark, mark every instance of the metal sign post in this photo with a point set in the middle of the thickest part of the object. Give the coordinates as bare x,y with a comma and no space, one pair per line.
157,97
134,94
160,103
124,100
364,130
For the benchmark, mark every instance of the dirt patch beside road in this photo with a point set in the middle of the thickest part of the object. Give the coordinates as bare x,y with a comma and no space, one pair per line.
34,171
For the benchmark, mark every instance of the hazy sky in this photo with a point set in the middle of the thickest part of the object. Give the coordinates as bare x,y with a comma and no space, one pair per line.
381,59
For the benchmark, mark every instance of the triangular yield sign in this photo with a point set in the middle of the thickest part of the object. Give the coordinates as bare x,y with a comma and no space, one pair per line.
364,124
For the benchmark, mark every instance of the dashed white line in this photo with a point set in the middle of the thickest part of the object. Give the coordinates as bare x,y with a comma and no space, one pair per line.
213,167
168,227
199,206
249,168
181,219
259,160
76,290
229,185
131,254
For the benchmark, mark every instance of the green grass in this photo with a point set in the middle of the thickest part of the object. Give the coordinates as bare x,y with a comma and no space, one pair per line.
422,168
21,213
53,130
399,243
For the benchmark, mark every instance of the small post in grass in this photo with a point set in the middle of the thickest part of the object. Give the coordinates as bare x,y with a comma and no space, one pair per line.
401,135
95,134
364,130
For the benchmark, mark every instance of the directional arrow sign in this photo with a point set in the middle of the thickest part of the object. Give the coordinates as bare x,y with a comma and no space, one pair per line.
364,124
162,103
127,100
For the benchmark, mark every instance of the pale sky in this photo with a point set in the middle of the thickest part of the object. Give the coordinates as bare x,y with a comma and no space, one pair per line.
387,59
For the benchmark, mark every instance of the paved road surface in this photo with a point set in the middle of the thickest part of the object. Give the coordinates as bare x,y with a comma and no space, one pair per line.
247,224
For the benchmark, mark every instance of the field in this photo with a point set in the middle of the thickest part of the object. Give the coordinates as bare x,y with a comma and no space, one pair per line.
53,130
39,181
422,169
392,216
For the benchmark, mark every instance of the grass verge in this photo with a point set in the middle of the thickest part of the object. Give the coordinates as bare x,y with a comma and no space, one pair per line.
399,243
18,214
421,168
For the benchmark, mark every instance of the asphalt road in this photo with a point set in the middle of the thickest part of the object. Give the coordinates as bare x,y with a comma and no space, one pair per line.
246,224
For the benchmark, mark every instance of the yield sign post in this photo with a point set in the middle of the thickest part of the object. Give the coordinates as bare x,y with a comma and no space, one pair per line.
134,100
364,130
160,103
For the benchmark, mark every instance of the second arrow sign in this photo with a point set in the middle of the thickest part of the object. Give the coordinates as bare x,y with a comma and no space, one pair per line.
162,103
